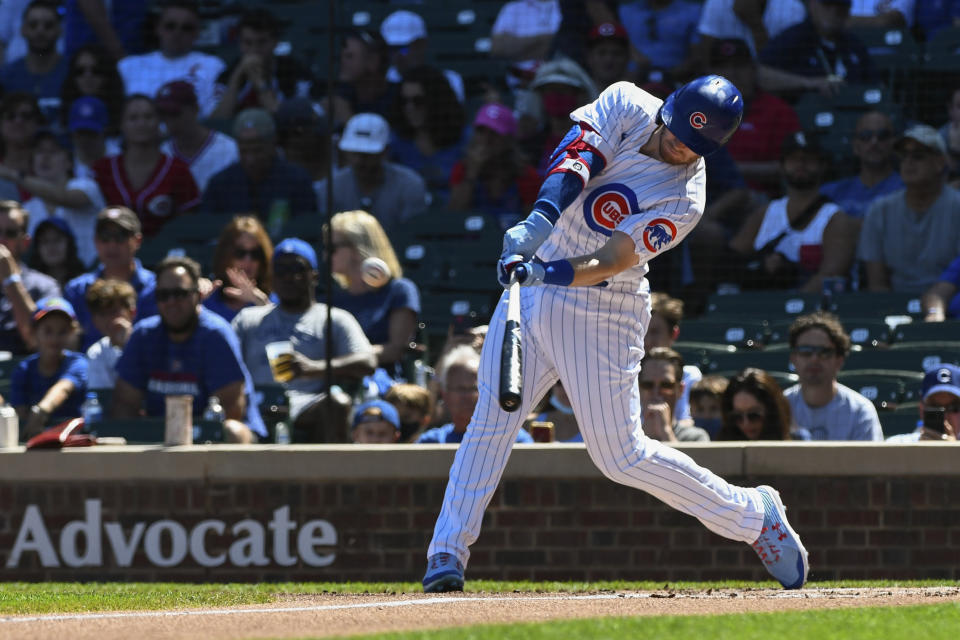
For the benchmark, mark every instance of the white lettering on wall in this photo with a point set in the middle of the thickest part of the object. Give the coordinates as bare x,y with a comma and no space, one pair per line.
89,528
178,543
33,536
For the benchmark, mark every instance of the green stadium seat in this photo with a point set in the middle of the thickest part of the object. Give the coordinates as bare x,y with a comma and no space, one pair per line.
737,360
942,50
904,419
885,388
437,310
948,331
769,306
907,357
879,304
151,430
866,333
740,334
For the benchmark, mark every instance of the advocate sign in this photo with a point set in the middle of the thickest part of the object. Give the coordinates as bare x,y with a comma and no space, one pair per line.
167,543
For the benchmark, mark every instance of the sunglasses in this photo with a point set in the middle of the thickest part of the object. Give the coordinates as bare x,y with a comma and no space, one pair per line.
11,234
746,416
953,407
809,350
113,236
183,27
650,385
179,293
252,254
869,134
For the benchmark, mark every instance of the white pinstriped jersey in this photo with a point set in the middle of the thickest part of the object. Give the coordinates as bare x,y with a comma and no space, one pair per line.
655,203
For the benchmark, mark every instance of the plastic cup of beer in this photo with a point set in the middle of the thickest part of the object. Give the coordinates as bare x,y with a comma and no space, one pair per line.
541,431
279,355
178,421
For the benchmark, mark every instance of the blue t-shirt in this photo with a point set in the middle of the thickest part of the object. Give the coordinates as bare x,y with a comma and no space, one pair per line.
435,169
126,18
446,435
372,309
28,386
207,361
663,35
854,197
16,77
38,285
143,282
932,15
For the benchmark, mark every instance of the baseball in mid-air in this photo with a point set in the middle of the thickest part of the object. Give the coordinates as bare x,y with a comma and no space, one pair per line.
375,272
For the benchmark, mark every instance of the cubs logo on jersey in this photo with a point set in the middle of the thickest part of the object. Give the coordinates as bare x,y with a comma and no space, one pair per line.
658,233
608,205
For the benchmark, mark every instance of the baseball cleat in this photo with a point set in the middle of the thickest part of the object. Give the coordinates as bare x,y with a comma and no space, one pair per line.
779,546
444,573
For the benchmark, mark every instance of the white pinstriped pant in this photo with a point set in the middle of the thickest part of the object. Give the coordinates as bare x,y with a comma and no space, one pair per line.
591,339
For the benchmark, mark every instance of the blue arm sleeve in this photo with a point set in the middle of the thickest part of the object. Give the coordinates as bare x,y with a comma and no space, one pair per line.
572,164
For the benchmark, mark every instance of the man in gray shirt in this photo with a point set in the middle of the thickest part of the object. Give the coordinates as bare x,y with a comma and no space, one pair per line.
910,236
390,192
820,404
299,319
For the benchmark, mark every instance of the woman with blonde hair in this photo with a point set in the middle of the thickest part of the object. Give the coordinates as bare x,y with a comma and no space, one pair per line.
241,268
372,286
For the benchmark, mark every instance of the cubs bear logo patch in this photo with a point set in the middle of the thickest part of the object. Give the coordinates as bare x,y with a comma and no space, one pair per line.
607,206
658,233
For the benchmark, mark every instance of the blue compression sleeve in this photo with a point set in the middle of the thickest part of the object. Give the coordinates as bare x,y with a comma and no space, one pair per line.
558,272
571,166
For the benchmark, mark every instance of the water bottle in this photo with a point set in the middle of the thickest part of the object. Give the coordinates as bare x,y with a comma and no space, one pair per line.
277,218
214,411
91,410
282,433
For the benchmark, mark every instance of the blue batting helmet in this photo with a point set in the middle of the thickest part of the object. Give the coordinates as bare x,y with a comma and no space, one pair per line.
703,113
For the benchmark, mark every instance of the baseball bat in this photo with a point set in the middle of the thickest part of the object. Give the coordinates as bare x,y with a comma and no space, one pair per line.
511,353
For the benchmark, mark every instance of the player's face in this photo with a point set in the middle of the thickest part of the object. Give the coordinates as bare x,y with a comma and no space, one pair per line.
177,31
658,383
748,414
815,358
672,151
379,432
177,299
460,394
54,333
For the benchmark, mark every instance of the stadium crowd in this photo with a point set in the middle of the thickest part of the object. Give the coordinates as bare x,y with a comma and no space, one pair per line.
120,127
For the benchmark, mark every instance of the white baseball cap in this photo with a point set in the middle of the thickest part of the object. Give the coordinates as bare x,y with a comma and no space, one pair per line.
365,133
402,27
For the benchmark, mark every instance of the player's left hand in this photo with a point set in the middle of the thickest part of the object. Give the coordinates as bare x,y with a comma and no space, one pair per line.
529,274
505,265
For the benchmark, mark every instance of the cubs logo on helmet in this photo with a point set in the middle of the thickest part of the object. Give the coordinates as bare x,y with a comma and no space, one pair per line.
697,120
658,233
607,206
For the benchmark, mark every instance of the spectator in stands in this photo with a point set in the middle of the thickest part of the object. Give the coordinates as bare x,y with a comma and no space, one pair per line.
42,71
241,266
363,86
802,238
59,194
186,350
113,307
755,22
19,284
303,137
372,286
577,19
706,403
820,404
661,385
428,131
608,54
754,409
13,46
931,17
664,33
391,192
260,79
54,251
882,14
116,24
767,120
51,384
817,54
18,129
873,146
177,30
942,299
910,236
457,374
117,238
375,422
157,187
666,314
298,318
414,408
562,86
941,389
405,33
205,151
492,176
950,132
92,73
261,181
87,126
522,34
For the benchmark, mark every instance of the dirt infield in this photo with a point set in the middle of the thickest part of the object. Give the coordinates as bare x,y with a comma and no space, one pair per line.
324,616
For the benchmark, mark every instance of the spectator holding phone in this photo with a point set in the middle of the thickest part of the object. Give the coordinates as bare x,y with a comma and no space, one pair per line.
939,408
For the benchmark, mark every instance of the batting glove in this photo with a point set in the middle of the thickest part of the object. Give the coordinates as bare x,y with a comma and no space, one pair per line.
505,265
529,274
525,237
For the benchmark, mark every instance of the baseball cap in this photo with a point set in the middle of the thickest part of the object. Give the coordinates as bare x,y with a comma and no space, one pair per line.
88,114
176,95
299,113
608,31
376,410
497,117
945,377
256,119
731,50
52,304
925,135
562,71
365,133
297,247
403,27
120,216
801,141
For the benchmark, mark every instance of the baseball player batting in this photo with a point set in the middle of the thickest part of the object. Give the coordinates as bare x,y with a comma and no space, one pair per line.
626,184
